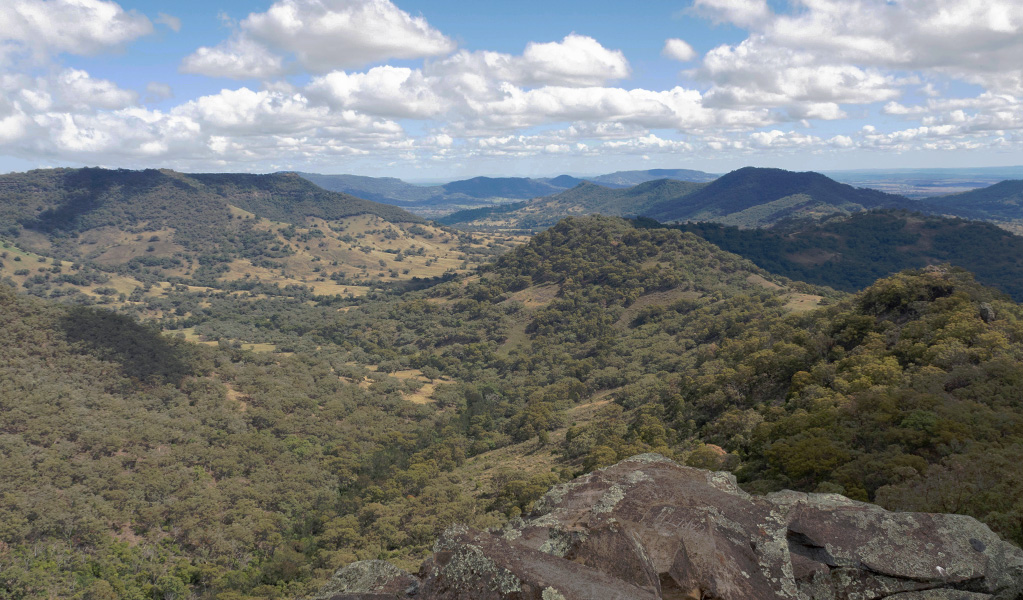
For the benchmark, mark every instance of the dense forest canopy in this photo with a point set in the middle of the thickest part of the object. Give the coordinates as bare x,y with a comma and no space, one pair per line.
373,422
851,252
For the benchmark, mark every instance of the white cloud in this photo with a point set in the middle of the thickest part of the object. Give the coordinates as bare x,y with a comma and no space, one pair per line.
388,91
744,13
782,139
237,58
45,27
755,74
330,34
77,88
170,21
322,35
979,41
575,61
679,50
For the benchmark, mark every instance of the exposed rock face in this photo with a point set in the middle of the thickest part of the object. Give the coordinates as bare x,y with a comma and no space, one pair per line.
649,528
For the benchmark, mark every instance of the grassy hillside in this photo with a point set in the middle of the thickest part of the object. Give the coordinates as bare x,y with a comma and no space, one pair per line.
850,253
115,236
754,197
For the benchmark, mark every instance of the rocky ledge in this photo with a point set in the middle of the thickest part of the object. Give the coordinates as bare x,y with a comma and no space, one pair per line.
649,528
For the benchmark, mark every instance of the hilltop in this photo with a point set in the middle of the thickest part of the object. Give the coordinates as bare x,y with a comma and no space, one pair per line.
631,178
748,197
104,234
755,197
851,252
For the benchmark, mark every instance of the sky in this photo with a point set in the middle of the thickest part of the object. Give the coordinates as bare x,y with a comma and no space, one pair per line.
429,90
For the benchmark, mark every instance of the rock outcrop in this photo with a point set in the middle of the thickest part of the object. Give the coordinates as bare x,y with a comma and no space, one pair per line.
648,528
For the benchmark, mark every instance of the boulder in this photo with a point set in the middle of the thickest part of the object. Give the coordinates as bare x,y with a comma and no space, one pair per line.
369,580
650,528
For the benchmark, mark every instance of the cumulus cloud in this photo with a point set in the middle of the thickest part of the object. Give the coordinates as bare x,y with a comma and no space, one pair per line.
755,74
46,27
388,91
679,50
321,35
78,88
575,61
979,41
237,58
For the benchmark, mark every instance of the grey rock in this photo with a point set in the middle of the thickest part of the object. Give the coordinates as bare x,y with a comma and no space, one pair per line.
368,580
650,528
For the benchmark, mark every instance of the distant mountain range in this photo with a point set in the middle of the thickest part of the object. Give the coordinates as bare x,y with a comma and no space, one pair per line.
748,197
437,200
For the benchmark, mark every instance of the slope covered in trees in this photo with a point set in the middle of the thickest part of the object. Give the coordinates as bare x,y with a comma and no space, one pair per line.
1000,202
138,466
850,253
442,199
584,199
631,178
755,197
748,197
382,419
71,201
127,231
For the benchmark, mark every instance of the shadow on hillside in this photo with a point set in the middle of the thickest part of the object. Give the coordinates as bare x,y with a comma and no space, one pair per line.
142,351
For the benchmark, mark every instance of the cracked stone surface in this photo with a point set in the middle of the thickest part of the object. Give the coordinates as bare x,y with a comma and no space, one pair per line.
649,528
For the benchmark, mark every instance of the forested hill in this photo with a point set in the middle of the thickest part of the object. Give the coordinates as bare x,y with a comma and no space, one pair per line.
70,201
749,197
380,420
502,187
850,253
999,202
631,178
289,198
754,197
584,199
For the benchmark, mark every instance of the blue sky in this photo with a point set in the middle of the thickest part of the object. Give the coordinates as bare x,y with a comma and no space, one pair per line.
435,89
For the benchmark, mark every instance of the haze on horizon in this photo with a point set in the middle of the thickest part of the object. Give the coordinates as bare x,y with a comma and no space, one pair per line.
445,89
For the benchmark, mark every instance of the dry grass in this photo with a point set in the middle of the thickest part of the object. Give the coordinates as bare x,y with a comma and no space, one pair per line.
237,397
802,302
537,296
759,280
527,458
